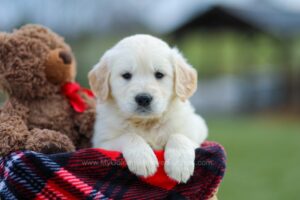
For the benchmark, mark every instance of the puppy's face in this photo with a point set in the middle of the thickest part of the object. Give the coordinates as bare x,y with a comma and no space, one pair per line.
142,74
142,81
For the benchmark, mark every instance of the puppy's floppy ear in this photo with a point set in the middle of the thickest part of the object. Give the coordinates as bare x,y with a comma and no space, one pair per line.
99,79
185,76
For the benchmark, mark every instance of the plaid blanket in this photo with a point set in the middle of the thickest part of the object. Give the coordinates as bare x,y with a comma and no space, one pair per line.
100,174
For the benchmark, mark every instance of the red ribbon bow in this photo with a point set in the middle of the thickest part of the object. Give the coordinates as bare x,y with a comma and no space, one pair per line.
71,91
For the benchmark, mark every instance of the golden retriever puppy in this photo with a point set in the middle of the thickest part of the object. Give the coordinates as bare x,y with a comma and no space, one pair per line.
142,86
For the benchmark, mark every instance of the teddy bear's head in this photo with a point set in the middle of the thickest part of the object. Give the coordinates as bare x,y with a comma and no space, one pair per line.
34,62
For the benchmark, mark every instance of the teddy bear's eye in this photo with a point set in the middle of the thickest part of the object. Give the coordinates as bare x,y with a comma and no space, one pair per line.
127,76
159,75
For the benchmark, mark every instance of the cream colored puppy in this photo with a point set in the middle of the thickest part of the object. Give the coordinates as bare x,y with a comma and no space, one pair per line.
142,86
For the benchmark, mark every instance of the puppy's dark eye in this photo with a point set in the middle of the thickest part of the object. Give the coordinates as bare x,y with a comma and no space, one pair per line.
127,76
159,75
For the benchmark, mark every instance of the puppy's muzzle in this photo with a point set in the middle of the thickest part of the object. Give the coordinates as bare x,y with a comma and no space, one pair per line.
143,99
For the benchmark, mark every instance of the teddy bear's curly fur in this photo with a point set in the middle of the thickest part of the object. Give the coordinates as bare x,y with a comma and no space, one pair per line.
34,65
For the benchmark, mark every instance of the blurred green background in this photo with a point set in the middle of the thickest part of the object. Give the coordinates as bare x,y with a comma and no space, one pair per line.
247,54
263,156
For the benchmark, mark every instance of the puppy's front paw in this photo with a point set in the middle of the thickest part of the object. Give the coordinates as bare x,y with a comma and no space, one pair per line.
141,161
179,164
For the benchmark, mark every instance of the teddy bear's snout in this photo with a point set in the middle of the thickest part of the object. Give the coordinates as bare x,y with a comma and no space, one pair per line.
60,66
65,57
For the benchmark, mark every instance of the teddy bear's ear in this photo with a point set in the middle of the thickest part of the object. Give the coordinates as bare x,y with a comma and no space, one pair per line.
44,34
33,28
3,37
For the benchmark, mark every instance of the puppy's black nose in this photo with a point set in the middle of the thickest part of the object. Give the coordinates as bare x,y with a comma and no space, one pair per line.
143,99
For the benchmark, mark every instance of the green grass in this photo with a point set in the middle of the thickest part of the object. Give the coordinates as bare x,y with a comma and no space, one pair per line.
263,160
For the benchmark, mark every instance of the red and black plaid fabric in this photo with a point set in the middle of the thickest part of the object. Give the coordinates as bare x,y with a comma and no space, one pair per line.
100,174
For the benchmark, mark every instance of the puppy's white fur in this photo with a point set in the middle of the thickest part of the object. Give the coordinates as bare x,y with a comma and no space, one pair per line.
170,123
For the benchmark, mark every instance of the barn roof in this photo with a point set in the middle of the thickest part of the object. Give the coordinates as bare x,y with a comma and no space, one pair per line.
261,15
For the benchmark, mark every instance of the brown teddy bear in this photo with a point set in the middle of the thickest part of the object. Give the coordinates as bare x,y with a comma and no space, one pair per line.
46,111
